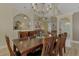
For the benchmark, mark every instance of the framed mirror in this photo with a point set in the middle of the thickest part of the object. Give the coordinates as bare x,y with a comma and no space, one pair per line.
20,22
52,24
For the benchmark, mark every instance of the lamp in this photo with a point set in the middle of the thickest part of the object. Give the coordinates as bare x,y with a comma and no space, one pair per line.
41,9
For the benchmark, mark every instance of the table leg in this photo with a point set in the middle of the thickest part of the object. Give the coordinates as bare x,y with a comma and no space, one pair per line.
14,48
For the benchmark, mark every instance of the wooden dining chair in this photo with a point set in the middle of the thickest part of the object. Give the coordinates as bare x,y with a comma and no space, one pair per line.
12,53
47,45
55,50
31,34
62,43
9,46
23,34
58,50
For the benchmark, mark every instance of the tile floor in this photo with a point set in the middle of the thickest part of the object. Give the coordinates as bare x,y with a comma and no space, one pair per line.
73,51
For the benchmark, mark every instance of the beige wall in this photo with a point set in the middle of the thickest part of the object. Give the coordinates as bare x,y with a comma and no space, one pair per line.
76,26
6,22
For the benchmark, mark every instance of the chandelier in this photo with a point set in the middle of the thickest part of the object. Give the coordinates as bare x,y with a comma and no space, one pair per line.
41,9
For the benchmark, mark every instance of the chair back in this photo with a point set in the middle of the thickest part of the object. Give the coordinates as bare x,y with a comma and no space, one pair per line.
9,46
31,34
63,40
65,35
57,44
62,43
23,34
46,46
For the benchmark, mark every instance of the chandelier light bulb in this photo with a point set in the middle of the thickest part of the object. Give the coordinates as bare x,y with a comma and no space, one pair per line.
41,9
25,17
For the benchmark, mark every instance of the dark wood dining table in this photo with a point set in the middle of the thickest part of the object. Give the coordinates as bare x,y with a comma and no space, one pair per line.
25,46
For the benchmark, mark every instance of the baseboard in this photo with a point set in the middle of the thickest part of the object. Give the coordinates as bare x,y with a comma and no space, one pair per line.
2,47
77,42
4,51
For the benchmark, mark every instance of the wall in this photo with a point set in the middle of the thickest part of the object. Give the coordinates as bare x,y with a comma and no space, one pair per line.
75,26
6,23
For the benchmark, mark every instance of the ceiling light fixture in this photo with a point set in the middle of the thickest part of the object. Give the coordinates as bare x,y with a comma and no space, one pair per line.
41,9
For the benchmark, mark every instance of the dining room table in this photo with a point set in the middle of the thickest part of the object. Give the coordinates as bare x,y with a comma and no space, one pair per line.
25,46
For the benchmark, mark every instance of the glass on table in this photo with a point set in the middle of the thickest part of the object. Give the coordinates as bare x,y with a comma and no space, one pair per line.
50,35
21,42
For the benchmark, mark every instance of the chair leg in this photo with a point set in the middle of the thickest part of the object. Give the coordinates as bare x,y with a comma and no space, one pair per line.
14,48
64,50
60,52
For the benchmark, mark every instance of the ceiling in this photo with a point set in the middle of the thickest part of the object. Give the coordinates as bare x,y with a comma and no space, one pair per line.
62,7
68,7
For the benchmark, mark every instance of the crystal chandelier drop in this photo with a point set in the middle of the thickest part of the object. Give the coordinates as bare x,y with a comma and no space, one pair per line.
41,9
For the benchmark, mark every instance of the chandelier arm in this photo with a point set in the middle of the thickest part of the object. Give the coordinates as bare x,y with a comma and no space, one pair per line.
41,9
